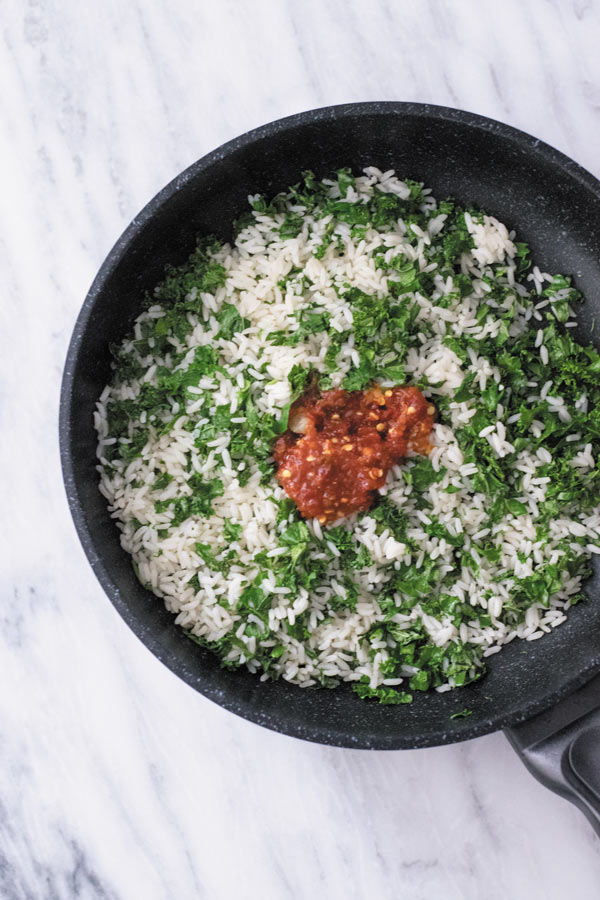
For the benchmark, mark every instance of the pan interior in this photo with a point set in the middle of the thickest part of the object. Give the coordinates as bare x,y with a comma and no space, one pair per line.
551,203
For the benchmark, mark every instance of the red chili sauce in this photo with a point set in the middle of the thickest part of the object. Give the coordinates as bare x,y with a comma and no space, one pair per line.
340,446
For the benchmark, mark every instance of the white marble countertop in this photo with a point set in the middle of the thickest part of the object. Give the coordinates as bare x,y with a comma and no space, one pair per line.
116,779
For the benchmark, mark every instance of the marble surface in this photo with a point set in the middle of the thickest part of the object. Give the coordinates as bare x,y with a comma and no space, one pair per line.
117,780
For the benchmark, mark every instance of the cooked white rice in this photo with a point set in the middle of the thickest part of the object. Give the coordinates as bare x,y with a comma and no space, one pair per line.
329,632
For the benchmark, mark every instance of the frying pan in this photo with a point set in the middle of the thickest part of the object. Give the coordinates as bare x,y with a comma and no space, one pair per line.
545,693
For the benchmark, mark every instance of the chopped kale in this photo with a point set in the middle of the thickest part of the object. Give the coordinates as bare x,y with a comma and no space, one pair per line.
386,695
462,714
198,503
230,321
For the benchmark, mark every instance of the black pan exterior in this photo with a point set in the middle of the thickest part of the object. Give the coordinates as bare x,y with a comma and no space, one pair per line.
551,202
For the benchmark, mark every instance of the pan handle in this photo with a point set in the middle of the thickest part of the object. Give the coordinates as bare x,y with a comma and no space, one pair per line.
561,747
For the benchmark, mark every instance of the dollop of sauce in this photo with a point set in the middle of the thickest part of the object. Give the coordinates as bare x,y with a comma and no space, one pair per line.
340,446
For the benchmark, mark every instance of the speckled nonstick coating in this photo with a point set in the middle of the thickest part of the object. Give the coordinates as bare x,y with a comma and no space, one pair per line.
552,203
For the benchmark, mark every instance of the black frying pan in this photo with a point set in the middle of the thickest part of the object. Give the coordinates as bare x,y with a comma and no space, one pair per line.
544,691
